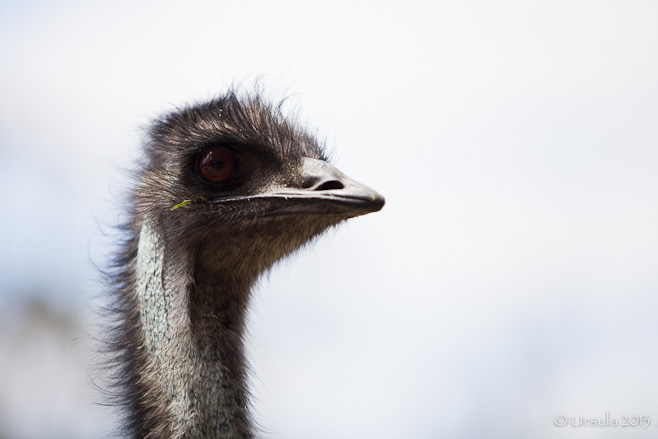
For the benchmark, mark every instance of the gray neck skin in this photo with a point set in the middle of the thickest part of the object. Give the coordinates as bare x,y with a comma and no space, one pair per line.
193,340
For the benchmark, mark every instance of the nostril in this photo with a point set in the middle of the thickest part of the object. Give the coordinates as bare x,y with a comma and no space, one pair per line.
328,185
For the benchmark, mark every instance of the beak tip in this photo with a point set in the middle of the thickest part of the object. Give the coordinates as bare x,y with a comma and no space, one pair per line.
378,200
374,201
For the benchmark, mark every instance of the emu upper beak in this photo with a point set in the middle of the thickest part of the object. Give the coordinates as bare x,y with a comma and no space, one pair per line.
326,190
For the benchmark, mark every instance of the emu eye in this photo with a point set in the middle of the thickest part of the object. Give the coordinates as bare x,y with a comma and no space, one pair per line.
216,165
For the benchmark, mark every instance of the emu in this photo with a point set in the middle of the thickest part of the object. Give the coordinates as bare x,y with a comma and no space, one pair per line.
226,188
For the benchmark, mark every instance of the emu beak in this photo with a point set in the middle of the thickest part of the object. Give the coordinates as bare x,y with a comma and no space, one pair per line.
321,190
326,190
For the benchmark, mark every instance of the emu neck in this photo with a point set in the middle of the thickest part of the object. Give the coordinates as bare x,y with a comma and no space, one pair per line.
193,324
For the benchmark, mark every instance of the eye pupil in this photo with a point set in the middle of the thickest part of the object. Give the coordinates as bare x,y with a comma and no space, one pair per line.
216,165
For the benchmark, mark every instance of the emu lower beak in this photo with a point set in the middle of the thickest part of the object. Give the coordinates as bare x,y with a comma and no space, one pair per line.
324,189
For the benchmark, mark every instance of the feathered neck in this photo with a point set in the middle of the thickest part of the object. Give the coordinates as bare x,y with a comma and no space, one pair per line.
194,370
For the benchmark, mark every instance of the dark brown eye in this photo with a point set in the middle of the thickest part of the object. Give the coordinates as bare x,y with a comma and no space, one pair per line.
216,165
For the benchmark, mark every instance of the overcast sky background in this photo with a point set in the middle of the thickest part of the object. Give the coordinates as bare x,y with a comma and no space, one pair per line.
511,277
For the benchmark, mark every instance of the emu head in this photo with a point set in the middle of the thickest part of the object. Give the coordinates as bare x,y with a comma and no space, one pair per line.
235,186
